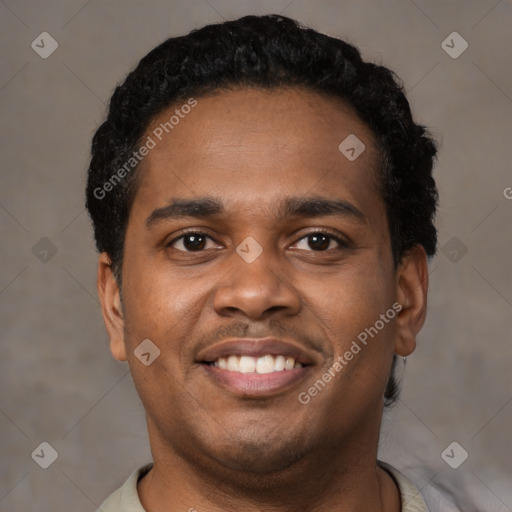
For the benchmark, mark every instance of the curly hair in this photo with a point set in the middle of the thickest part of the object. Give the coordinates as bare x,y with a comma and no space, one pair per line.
266,52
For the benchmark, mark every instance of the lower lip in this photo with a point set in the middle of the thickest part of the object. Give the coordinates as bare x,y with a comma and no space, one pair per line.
256,384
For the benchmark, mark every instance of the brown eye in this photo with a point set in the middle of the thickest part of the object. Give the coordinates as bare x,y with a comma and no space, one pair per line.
194,242
320,241
190,242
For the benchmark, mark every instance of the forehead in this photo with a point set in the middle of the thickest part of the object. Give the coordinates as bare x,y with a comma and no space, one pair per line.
249,146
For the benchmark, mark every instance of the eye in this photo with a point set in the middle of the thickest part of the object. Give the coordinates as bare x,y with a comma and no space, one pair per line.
320,241
192,241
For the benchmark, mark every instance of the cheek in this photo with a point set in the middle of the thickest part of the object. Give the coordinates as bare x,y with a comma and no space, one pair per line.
159,309
163,306
350,306
361,344
157,305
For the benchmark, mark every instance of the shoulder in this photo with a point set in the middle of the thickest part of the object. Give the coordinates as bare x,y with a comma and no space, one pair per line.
126,498
412,500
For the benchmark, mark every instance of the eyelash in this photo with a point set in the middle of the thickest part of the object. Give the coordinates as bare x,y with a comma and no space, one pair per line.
342,243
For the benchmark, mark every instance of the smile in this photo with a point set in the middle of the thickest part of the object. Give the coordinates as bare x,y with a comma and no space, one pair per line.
261,365
252,368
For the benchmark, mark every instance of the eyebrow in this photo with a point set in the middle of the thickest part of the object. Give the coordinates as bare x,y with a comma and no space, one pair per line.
207,207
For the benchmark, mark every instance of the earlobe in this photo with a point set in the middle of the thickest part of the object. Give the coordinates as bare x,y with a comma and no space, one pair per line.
110,299
412,288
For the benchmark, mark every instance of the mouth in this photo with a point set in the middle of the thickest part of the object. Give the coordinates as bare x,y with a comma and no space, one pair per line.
261,365
256,367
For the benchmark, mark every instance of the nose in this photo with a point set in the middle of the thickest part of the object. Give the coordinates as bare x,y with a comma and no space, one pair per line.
256,289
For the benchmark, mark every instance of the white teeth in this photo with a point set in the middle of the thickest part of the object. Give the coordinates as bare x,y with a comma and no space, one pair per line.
233,362
280,360
264,364
247,364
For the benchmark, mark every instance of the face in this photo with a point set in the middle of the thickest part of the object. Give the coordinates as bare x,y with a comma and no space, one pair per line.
256,257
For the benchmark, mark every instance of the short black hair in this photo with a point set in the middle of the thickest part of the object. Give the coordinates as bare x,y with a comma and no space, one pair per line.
265,52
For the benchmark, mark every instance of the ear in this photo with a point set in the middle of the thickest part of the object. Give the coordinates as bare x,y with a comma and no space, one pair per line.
412,288
111,308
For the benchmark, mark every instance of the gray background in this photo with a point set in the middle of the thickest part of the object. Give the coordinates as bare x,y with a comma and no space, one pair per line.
58,381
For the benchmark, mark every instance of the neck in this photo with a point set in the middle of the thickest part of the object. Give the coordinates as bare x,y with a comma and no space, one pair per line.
344,477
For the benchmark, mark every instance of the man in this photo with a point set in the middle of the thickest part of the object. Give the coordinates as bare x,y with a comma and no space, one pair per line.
263,206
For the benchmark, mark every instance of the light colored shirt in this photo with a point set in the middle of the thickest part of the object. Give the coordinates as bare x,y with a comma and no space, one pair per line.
126,499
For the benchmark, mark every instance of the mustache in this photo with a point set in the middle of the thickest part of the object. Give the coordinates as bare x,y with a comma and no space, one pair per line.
270,329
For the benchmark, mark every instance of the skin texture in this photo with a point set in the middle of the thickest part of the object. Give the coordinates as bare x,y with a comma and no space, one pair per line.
216,450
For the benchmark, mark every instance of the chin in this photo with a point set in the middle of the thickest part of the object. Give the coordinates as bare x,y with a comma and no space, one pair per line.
259,457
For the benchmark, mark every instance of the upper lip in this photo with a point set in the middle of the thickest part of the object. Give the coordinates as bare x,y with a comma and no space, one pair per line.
255,347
